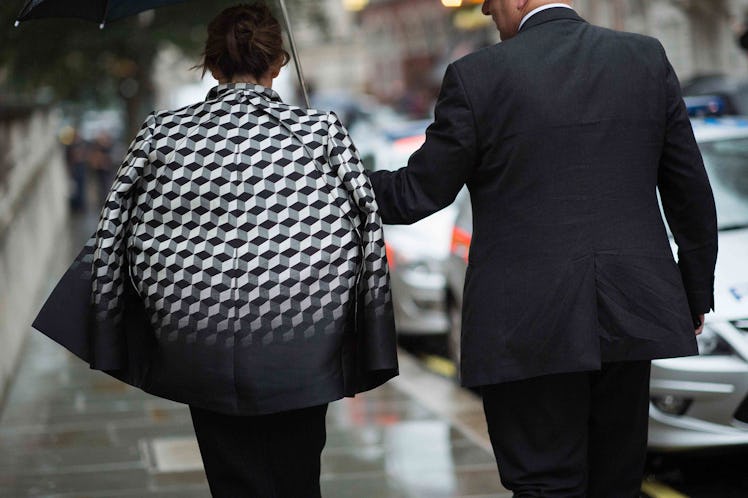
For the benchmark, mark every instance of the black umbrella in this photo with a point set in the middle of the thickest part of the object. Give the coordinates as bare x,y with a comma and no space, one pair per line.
102,11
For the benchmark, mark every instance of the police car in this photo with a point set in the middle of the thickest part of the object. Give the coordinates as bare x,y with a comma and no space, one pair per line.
698,402
702,402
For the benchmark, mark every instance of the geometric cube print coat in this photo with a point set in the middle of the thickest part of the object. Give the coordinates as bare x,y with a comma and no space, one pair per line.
239,262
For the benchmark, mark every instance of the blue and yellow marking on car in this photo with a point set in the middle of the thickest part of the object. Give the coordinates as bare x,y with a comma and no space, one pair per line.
654,489
739,292
440,365
725,122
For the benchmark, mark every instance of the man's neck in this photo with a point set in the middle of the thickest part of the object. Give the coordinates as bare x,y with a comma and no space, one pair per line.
534,4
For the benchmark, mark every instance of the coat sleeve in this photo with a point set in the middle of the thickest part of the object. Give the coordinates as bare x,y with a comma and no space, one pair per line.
439,169
687,200
345,161
109,268
376,329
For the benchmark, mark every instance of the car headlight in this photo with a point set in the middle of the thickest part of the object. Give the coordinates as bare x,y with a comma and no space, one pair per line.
672,405
712,344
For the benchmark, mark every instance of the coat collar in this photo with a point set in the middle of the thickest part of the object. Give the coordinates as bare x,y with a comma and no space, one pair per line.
554,14
249,89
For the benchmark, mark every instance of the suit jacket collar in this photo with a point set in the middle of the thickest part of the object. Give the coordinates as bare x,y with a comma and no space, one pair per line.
554,14
249,89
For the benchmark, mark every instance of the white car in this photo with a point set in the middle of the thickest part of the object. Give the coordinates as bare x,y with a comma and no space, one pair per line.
697,402
702,402
416,253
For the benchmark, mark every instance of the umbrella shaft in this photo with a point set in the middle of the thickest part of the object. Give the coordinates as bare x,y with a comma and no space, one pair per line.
295,53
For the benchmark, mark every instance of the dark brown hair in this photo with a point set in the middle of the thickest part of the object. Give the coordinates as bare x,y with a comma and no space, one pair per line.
244,40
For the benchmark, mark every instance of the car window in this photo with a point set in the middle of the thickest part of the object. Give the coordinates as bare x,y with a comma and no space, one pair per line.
395,154
740,100
465,214
726,164
368,162
396,160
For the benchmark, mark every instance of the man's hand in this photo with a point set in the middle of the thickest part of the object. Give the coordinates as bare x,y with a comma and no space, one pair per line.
699,324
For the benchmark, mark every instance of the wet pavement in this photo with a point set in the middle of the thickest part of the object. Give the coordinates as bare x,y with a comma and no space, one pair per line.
68,431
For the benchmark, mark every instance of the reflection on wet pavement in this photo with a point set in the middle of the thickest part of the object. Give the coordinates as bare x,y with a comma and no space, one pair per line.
67,431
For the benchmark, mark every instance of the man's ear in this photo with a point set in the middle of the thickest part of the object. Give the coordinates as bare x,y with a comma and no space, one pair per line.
521,4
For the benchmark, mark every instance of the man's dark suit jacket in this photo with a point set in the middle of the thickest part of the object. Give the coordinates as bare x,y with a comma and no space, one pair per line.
563,135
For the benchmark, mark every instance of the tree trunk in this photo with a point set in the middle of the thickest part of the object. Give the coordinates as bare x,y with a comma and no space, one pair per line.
139,103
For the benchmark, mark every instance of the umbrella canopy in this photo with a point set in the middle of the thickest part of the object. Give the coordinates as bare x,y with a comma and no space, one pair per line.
100,11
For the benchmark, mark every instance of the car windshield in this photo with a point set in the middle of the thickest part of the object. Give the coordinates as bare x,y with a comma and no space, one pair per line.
726,164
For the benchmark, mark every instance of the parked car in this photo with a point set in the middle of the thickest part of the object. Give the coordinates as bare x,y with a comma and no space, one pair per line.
731,90
697,402
355,110
416,253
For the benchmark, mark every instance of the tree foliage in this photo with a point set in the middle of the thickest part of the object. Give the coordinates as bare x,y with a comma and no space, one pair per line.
76,61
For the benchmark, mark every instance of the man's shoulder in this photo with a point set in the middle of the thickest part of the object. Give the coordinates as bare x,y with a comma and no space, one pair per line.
480,57
516,47
644,41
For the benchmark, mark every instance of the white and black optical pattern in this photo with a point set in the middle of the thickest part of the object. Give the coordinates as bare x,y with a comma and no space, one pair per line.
240,221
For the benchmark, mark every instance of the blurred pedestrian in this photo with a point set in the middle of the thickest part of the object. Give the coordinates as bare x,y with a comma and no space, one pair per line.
239,267
564,133
77,165
101,163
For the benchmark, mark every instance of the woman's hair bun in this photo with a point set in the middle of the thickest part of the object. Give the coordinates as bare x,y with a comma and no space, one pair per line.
244,40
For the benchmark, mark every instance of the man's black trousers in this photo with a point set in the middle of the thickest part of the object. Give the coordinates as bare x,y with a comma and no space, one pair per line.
577,435
265,456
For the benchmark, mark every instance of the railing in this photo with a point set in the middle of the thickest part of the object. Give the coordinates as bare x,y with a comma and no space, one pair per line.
27,142
33,214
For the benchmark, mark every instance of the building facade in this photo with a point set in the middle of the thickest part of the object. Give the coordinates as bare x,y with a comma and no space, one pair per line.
397,50
698,35
406,44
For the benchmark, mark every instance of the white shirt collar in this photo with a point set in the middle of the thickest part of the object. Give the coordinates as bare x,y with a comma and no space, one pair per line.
540,9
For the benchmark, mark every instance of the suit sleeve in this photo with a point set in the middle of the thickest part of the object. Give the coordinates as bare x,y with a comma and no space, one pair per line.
438,170
109,270
688,201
